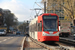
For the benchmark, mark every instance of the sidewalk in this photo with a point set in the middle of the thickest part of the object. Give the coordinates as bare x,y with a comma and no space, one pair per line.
29,45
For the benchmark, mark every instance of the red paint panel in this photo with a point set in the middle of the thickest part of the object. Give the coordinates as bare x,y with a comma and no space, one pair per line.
39,19
39,36
49,38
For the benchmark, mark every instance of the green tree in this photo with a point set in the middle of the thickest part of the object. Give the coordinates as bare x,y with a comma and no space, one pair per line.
10,20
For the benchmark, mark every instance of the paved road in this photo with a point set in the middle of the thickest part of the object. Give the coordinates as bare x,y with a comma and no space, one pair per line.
11,42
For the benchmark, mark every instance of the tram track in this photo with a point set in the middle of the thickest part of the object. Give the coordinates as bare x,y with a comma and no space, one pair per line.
65,46
67,41
61,46
41,44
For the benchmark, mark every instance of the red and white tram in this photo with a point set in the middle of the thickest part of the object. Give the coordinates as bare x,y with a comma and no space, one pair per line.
45,27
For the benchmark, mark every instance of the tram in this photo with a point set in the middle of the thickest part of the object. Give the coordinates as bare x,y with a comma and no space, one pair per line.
45,27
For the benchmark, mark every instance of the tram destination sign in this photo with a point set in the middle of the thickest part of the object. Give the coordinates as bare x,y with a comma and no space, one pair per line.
50,17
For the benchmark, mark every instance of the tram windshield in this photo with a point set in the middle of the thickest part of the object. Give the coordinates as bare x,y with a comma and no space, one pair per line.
50,23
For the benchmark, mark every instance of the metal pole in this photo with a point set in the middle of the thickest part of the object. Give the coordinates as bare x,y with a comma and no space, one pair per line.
44,7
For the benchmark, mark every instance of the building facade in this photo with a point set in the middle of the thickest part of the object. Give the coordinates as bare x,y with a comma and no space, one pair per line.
54,7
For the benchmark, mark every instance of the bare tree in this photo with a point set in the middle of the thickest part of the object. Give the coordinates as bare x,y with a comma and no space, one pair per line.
69,9
67,5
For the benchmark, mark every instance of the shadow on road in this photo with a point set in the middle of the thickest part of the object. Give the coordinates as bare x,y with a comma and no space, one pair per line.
11,35
10,45
51,43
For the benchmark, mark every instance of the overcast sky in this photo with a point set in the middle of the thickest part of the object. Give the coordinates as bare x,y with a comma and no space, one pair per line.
21,8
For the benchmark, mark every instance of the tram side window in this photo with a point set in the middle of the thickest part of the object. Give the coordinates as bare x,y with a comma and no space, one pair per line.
34,27
39,26
30,28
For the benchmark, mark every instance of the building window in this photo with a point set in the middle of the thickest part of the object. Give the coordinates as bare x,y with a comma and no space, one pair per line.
57,11
51,11
61,18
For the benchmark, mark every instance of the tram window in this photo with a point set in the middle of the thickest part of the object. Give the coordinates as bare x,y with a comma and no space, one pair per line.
35,27
40,21
39,26
30,28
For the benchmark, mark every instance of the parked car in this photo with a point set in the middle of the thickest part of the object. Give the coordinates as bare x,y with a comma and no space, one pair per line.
2,32
18,33
74,36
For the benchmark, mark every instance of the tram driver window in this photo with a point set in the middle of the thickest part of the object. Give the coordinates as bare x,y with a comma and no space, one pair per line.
39,26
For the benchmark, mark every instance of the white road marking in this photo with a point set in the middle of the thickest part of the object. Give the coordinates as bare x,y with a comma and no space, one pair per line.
4,39
0,41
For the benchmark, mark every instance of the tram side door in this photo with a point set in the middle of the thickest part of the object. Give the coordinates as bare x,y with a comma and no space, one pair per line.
39,30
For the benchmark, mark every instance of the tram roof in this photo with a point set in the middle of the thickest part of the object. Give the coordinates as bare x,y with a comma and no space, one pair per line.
48,14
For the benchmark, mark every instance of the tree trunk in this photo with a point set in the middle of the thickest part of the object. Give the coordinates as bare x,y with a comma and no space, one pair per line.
74,22
8,29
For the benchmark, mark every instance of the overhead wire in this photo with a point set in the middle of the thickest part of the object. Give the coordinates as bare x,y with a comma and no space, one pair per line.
32,10
33,7
39,5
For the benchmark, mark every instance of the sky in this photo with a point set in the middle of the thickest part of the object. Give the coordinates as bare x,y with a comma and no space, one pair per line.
21,8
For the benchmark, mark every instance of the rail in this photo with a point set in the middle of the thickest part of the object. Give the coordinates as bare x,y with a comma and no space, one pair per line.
70,41
41,44
60,47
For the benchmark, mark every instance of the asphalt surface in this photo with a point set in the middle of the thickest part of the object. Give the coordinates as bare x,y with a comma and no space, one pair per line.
11,42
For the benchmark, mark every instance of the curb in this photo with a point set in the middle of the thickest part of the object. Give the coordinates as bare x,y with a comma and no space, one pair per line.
22,46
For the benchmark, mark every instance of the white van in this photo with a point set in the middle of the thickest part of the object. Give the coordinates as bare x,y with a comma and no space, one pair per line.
2,32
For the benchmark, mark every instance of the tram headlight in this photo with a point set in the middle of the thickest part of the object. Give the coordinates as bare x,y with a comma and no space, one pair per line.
44,34
57,34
